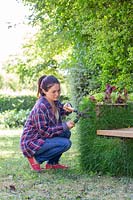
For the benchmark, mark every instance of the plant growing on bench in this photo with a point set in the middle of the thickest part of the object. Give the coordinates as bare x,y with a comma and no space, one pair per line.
108,98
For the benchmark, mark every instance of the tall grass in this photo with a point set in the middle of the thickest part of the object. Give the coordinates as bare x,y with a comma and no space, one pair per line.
102,154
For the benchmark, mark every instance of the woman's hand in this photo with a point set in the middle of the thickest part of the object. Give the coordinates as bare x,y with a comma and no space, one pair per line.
70,124
67,107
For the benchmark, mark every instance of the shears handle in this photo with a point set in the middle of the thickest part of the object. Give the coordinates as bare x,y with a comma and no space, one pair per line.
76,120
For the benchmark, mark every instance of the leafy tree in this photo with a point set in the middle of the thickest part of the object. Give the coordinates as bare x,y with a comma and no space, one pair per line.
88,34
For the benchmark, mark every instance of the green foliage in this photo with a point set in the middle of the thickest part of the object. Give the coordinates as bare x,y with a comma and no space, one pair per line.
88,34
106,36
101,154
13,118
28,67
99,33
16,102
14,110
82,83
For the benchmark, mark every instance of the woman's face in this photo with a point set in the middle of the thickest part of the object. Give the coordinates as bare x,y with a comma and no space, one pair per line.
53,93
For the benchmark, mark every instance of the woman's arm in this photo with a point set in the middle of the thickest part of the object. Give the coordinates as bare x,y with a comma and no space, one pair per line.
46,126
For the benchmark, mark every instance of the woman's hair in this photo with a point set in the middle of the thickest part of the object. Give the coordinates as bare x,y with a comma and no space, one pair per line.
45,83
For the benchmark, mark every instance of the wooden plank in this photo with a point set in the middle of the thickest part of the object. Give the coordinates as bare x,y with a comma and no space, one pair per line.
125,133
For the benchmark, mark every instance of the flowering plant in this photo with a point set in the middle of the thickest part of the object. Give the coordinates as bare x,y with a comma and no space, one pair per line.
121,96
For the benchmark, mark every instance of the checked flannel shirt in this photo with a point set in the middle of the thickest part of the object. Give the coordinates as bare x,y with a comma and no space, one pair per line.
41,124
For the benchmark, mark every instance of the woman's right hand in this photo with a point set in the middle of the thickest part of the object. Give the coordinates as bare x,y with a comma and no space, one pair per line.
67,107
70,124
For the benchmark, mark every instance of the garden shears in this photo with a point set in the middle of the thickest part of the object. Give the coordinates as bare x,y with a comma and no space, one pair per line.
83,114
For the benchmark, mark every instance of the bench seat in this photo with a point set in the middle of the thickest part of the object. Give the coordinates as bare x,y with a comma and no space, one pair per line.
124,132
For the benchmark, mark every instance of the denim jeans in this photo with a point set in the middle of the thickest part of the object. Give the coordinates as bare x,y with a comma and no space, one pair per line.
53,148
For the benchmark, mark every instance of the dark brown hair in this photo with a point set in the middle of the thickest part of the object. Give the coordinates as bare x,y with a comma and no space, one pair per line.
46,82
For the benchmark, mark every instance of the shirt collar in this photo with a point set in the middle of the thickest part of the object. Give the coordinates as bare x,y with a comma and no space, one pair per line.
47,103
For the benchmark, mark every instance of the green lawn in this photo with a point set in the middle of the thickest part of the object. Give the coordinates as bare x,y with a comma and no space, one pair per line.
17,181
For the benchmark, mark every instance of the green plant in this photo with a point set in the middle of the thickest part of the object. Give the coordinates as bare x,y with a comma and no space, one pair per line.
120,97
13,118
101,154
8,102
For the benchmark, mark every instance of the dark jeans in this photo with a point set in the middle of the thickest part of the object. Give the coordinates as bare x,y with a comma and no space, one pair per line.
53,148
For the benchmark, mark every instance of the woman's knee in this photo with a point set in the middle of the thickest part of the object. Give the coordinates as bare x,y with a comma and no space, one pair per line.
66,134
67,143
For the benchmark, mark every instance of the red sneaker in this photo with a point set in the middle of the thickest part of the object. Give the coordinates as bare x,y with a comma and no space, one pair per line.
34,165
56,166
48,166
59,166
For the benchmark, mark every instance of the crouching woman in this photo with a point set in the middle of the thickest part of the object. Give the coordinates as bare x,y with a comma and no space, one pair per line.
45,136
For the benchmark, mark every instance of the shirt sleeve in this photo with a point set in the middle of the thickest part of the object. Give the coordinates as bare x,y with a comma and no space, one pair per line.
46,125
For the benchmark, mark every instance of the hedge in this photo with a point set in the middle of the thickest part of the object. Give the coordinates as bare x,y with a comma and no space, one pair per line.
102,154
16,102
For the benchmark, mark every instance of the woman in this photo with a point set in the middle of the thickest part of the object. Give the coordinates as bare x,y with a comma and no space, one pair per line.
45,137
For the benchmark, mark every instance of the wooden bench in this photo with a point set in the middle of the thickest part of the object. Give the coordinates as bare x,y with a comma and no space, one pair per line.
122,133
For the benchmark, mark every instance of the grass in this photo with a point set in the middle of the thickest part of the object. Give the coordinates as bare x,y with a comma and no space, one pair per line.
18,182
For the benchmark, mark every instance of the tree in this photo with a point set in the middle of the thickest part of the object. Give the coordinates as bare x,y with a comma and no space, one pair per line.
94,35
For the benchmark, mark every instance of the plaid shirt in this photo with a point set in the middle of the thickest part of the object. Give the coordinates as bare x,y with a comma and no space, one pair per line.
41,124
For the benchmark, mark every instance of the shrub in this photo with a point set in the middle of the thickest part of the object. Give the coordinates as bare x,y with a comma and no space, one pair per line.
101,154
20,102
16,102
82,82
13,118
